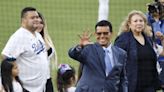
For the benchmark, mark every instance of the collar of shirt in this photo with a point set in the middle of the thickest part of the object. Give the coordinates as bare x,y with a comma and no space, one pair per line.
108,48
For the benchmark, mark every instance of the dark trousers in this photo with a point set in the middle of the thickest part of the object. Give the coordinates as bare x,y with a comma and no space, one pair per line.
148,89
161,76
49,86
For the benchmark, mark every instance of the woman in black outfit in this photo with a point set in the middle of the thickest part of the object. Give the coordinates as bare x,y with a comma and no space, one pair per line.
141,61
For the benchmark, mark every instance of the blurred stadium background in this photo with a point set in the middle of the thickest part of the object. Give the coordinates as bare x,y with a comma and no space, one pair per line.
65,19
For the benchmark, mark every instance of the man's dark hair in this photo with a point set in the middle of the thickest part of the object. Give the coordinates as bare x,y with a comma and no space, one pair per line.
25,10
104,23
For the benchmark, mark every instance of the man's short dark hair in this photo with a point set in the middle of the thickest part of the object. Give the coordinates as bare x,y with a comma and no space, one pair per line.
25,10
104,23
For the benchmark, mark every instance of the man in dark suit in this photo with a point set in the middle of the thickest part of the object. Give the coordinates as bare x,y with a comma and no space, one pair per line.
102,71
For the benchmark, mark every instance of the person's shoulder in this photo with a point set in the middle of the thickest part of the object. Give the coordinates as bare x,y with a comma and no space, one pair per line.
123,36
21,32
17,35
120,50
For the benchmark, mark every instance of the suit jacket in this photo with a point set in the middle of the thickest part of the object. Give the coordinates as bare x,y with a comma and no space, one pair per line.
93,77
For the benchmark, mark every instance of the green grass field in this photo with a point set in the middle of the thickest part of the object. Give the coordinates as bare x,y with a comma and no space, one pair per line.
65,19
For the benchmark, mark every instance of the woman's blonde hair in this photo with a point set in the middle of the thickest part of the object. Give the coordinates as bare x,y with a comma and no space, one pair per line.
47,39
125,24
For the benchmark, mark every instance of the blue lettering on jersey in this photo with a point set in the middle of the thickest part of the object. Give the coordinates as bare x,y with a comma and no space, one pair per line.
38,47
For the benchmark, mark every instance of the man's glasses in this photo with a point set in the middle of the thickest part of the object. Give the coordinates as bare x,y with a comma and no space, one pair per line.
100,33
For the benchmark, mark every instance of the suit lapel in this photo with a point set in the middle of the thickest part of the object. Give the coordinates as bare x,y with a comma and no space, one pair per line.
101,56
115,56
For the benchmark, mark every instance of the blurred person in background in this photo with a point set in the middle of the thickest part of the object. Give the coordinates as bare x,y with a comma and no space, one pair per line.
155,18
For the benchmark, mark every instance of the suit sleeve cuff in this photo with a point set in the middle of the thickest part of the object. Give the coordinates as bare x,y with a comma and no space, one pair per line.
78,48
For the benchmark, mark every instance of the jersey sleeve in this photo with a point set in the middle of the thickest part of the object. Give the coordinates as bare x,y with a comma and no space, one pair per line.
14,46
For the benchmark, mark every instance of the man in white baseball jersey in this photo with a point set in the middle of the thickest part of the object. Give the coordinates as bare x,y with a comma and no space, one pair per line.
28,47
